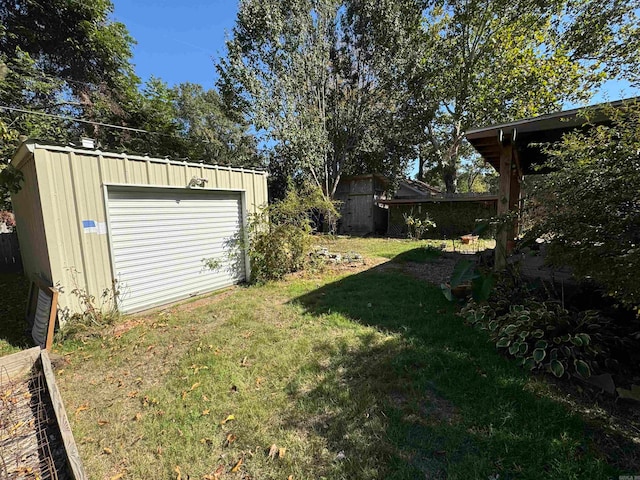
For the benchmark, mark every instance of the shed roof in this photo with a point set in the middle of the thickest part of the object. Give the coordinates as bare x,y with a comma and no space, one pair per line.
542,129
29,146
421,188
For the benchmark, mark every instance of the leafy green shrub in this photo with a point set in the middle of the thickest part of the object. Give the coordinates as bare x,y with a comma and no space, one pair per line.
280,236
588,206
416,226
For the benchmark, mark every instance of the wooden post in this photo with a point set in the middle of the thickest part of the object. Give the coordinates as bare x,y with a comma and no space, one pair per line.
504,200
508,196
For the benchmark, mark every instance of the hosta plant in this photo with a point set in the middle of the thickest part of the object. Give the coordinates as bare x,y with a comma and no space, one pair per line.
542,336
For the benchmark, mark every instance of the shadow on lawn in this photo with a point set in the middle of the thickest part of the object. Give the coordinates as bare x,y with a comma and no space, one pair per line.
14,290
432,398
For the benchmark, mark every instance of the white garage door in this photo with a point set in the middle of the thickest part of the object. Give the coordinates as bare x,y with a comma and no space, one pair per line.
160,237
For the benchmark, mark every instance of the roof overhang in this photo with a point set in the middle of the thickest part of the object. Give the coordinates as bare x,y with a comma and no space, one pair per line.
526,135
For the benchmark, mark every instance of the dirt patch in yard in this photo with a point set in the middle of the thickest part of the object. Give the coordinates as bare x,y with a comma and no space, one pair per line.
435,271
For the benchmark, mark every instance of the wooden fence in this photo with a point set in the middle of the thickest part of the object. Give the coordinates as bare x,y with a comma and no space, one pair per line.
10,260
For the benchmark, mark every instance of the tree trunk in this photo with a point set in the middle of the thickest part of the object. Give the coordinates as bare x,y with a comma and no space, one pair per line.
450,180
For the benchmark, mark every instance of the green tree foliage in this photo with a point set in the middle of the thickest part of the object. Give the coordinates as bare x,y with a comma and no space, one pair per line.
312,79
494,61
63,57
590,203
475,176
214,133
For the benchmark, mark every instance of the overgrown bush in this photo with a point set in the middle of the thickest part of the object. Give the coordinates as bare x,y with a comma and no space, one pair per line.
280,236
590,203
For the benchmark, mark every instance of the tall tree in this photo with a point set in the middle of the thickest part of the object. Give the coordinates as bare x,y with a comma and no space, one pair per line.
308,76
212,132
495,61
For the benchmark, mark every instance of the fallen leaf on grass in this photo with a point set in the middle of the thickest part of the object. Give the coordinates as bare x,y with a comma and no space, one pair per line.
103,422
81,408
137,417
107,451
205,412
273,451
117,476
132,394
228,419
194,386
276,452
216,475
290,477
237,466
229,440
178,472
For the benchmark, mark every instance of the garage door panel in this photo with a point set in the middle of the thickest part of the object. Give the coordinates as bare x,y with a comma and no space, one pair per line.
173,270
161,297
193,251
143,240
159,238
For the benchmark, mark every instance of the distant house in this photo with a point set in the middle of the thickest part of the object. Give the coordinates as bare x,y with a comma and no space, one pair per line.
409,188
454,214
359,209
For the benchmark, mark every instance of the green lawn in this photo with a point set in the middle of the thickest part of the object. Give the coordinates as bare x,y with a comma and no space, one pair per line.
351,374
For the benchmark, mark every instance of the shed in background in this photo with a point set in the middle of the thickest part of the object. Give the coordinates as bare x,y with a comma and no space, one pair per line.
360,213
95,224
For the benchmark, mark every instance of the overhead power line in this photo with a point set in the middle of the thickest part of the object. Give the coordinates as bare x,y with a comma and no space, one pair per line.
81,120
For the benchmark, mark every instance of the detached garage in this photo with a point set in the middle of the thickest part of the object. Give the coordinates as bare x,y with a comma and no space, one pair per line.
99,223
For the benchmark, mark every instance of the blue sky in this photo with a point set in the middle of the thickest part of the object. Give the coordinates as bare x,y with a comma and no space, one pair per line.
178,41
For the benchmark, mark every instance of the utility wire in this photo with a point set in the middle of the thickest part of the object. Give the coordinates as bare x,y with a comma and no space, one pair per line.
107,125
80,120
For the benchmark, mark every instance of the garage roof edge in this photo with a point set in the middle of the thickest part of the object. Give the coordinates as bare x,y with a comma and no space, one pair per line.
33,145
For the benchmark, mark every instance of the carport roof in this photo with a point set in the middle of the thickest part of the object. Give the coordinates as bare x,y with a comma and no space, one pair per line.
488,141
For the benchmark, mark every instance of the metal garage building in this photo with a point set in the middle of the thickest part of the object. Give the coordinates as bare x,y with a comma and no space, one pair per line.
101,222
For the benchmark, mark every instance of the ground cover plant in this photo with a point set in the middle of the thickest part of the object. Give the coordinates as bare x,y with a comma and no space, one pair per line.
360,371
